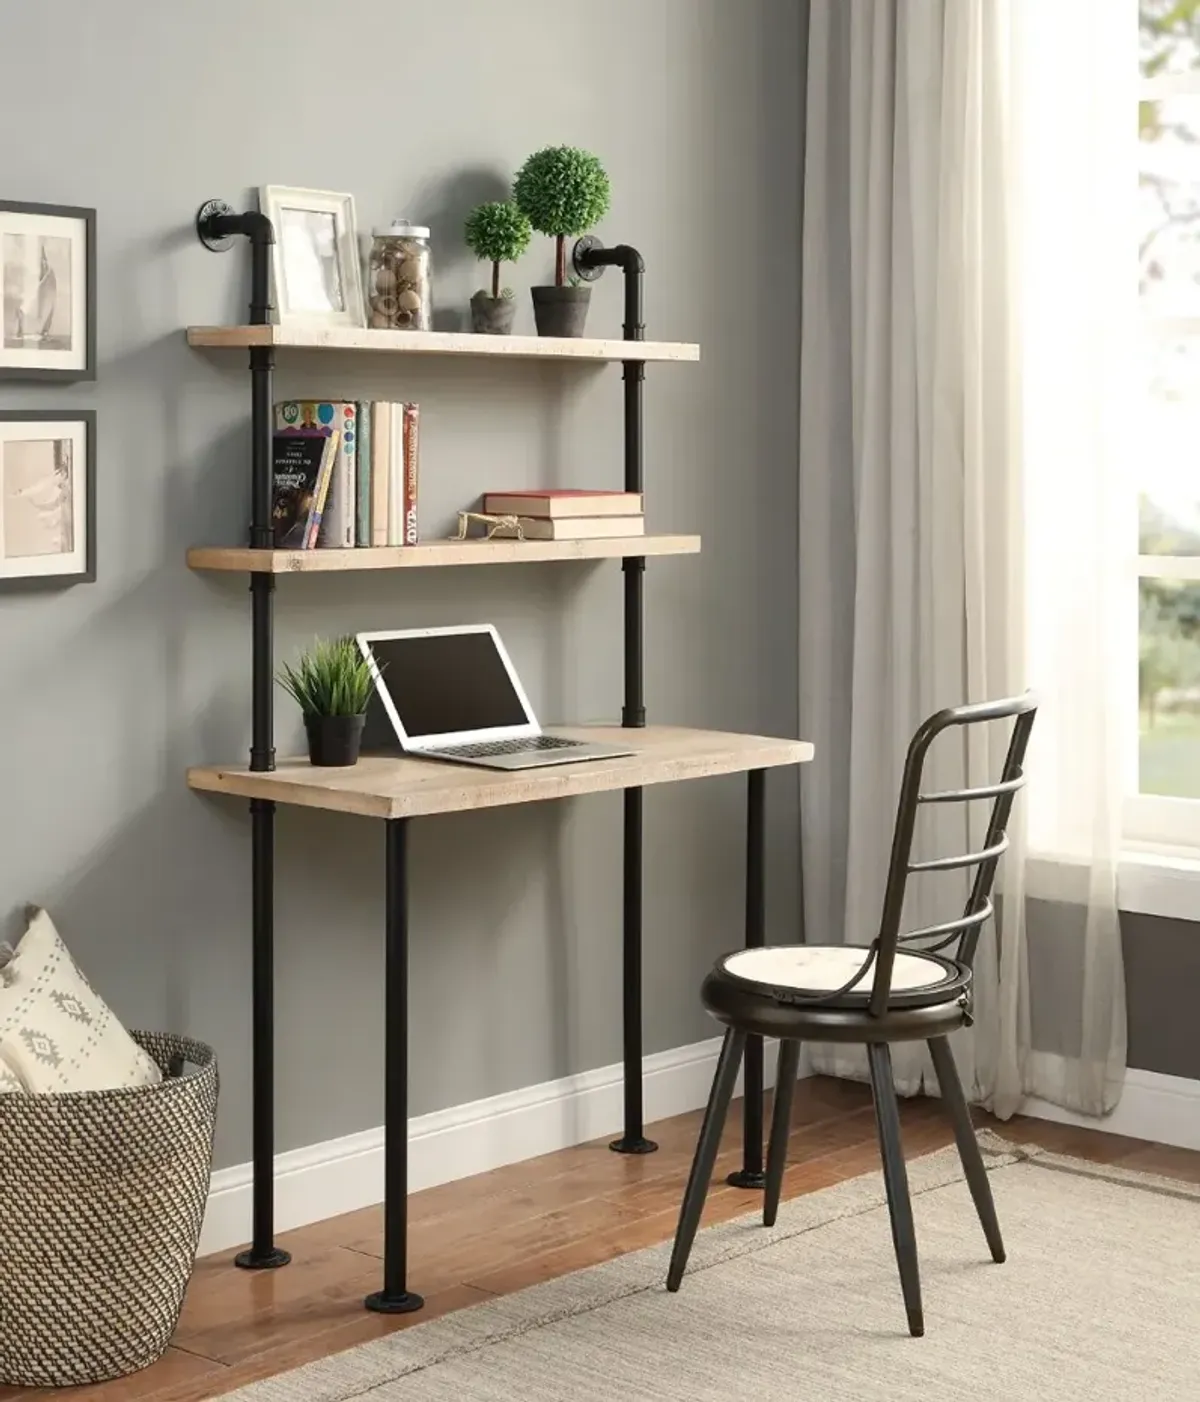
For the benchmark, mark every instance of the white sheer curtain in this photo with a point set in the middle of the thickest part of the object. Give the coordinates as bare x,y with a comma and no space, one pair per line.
913,506
1076,135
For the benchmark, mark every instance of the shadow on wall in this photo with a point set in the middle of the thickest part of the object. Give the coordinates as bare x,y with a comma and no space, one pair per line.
445,208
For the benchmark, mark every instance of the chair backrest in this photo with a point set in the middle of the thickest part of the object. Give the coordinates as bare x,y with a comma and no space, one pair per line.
965,930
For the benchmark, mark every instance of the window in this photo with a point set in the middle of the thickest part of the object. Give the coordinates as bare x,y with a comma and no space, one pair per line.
1164,807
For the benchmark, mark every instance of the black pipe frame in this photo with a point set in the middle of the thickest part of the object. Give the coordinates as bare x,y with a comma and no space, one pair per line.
751,1174
217,225
395,1297
590,259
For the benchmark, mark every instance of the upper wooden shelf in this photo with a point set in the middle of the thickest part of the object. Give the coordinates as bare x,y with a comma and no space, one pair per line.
386,787
357,338
435,553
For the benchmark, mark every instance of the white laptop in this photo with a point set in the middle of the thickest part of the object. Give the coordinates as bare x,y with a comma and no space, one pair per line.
453,693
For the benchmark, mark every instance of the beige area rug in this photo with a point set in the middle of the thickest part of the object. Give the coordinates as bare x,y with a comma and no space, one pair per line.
1099,1302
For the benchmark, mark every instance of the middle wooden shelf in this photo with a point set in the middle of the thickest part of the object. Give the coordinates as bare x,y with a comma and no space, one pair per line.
434,553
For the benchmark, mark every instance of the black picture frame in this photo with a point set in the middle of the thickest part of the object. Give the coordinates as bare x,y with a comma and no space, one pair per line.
87,575
69,375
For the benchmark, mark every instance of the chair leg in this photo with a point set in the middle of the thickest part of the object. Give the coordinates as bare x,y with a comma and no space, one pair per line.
781,1124
706,1153
895,1177
968,1146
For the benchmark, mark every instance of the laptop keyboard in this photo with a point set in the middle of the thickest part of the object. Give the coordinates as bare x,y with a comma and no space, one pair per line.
484,749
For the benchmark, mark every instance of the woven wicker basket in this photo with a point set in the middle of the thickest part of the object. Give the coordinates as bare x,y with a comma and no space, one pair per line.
102,1195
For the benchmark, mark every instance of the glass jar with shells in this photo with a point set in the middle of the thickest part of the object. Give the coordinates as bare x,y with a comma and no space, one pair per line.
399,278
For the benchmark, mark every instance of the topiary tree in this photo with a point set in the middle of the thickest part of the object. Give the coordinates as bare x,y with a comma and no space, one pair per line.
497,232
564,191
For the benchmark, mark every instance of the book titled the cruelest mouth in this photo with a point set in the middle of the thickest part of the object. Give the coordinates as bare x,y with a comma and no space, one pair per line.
302,465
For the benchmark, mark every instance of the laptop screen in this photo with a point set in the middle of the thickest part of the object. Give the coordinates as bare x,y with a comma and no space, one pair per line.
447,682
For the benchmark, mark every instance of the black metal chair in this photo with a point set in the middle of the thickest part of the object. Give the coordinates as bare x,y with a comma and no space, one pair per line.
820,993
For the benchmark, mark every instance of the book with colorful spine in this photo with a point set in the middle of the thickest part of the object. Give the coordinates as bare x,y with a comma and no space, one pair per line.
338,525
301,469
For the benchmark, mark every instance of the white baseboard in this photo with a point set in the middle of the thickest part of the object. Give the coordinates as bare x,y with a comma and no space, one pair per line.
1152,1106
342,1175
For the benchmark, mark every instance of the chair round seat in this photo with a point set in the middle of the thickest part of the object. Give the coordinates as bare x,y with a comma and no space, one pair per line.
804,972
784,991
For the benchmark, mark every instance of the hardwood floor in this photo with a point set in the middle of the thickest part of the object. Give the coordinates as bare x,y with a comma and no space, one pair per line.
523,1224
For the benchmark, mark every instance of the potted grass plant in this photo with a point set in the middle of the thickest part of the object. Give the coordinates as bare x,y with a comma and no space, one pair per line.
496,232
331,683
564,191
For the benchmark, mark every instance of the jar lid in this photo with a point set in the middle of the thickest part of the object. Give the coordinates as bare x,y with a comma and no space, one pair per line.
401,229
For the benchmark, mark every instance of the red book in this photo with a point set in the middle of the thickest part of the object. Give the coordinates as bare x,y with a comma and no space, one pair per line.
555,504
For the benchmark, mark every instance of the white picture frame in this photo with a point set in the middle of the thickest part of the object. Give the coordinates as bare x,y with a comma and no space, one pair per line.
47,497
315,262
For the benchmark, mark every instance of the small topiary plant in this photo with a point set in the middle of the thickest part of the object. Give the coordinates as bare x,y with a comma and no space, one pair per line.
564,191
498,232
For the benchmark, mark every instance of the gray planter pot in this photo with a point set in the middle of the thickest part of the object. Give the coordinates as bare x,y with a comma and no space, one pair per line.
492,316
560,311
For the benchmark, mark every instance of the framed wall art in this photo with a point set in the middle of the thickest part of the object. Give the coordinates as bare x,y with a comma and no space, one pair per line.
47,497
48,287
315,259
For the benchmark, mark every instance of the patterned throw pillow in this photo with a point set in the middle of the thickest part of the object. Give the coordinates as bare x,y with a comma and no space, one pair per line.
56,1033
9,1080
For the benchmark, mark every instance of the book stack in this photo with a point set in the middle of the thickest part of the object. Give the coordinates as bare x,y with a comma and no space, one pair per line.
569,515
345,474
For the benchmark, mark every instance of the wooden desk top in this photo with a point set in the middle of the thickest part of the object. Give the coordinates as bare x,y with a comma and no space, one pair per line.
379,787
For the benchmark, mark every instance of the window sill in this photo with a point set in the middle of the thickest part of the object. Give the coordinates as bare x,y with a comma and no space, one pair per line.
1161,883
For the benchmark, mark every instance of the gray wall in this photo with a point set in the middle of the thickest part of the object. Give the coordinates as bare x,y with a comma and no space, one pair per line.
1162,971
1162,975
143,110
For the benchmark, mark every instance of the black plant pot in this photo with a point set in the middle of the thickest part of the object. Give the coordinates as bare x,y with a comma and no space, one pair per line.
492,316
560,311
333,741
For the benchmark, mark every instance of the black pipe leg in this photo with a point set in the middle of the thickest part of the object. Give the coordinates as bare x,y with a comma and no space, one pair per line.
634,1140
633,714
781,1124
968,1145
395,1297
263,1254
706,1154
895,1177
751,1174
